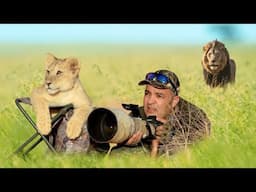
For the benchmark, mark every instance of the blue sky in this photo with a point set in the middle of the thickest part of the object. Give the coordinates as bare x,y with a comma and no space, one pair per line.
119,33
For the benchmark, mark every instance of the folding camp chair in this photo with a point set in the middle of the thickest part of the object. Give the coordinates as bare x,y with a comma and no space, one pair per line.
49,140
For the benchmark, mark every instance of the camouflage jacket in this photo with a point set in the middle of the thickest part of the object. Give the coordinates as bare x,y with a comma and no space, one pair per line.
187,124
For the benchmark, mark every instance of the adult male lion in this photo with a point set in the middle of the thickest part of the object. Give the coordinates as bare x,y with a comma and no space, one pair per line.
61,87
218,68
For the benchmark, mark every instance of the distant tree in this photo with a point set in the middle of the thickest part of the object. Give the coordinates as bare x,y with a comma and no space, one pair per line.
227,32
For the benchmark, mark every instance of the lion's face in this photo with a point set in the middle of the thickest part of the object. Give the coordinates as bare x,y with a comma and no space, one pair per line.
215,57
61,74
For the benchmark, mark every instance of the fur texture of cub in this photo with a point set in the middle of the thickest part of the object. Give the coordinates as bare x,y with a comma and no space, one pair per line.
61,87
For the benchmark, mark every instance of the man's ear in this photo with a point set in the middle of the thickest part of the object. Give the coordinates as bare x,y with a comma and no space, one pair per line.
175,101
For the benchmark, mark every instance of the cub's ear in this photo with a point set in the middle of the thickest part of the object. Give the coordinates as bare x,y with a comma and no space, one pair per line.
74,65
49,59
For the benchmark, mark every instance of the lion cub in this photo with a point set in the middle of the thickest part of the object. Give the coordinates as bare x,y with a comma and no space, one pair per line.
61,87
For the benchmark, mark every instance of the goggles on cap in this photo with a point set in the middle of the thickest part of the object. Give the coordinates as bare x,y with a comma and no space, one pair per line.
161,79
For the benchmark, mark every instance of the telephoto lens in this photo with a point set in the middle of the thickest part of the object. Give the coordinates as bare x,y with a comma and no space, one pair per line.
114,125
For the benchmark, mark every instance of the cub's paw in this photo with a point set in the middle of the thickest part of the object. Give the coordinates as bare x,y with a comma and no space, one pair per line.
44,126
73,130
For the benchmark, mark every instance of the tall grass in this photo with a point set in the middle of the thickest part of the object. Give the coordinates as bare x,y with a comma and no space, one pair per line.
110,74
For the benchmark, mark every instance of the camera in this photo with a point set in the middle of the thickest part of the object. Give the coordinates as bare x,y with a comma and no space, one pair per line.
109,125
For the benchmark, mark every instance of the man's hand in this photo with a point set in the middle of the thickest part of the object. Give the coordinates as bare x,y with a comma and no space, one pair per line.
135,138
160,131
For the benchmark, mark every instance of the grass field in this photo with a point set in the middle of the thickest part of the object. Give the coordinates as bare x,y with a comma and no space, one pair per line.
110,74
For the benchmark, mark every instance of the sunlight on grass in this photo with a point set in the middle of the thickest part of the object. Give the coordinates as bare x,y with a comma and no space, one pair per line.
110,74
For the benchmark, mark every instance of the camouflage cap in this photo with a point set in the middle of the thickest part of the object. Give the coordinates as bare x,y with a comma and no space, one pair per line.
162,79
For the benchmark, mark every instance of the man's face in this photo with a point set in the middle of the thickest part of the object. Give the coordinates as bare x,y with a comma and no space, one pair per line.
159,102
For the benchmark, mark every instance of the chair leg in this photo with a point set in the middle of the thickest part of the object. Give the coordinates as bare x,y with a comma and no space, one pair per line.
26,115
55,121
33,146
47,143
26,143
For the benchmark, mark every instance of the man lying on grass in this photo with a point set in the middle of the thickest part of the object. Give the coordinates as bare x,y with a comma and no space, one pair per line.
183,122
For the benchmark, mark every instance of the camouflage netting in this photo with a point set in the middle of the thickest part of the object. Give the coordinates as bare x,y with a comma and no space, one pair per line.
188,125
63,144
